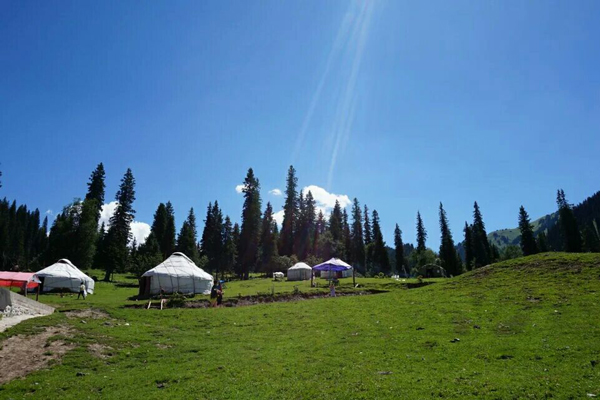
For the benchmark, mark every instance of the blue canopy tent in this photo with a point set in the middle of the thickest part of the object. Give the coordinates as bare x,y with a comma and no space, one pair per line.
332,265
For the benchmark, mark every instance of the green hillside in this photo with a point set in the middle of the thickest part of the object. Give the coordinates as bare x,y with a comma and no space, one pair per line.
525,328
504,237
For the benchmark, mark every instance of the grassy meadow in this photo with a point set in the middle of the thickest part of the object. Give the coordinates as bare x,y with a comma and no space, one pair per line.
525,328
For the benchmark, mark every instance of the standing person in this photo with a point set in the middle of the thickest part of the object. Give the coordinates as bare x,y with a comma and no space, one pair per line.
81,291
213,296
331,289
219,295
163,299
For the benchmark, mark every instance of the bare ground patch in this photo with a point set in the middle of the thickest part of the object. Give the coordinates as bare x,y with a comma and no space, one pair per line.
87,313
20,355
101,351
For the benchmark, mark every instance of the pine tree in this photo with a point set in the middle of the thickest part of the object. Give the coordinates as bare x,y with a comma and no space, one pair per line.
482,252
319,231
335,222
367,232
159,229
528,244
96,188
307,230
148,256
347,239
468,246
448,255
380,254
421,234
251,221
229,246
568,224
212,237
542,242
268,245
119,233
358,244
168,244
299,239
399,251
236,242
87,224
290,214
187,241
591,242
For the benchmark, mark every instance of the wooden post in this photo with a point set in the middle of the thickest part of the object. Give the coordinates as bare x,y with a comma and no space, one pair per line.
37,294
353,276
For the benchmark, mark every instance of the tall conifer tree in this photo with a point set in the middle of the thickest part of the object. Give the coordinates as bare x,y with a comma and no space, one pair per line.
528,244
119,233
358,244
468,246
168,245
250,229
448,255
568,224
290,214
336,222
268,245
482,252
421,234
380,254
399,251
367,232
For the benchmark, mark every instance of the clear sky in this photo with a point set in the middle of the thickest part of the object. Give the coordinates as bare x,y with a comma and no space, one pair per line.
400,104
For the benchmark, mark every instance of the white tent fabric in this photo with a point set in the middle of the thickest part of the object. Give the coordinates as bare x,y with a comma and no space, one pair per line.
64,275
347,273
299,272
179,274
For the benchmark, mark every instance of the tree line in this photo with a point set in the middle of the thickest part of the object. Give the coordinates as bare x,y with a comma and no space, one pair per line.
256,244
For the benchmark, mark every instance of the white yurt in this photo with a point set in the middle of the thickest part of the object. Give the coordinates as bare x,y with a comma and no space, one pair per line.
64,275
299,272
176,274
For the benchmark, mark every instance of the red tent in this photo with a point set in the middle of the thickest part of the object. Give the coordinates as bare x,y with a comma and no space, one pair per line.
19,279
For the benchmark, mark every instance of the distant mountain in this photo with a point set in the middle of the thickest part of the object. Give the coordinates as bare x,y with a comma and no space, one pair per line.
504,237
587,214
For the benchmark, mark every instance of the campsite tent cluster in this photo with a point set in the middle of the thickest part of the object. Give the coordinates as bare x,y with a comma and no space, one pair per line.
178,273
333,268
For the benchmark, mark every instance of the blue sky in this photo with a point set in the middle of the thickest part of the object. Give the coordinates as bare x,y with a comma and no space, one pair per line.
401,104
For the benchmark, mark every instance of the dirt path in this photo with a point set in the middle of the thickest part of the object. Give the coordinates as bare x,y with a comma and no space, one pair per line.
21,354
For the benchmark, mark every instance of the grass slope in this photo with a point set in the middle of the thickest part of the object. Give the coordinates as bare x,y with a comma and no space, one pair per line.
504,237
528,328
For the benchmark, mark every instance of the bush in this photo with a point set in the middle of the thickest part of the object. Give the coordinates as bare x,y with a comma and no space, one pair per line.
176,300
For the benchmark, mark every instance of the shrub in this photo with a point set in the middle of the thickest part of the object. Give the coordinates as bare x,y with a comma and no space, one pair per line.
176,300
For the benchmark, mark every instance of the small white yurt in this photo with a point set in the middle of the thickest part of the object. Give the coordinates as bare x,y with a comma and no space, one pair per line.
299,272
64,275
176,274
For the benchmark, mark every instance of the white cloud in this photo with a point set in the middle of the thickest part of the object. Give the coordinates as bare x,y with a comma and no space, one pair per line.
278,217
107,211
239,188
49,212
139,230
275,192
325,200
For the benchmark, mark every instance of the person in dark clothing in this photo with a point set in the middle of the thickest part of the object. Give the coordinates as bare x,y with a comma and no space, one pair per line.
213,296
219,295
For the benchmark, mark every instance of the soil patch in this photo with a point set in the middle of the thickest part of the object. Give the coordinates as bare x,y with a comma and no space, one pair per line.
262,299
100,350
87,313
20,355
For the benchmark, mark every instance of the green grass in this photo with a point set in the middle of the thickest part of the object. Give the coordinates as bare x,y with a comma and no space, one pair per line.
528,328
